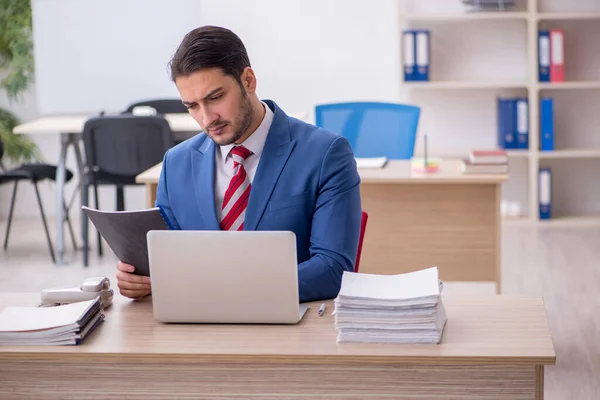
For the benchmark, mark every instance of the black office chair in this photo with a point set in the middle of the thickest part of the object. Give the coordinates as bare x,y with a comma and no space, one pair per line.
34,173
162,106
117,149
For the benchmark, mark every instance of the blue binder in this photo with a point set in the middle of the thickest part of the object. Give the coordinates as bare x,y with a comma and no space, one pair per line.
409,54
544,55
545,193
506,116
547,124
422,54
522,123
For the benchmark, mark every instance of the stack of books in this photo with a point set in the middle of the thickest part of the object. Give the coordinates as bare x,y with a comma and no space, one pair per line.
68,324
404,308
485,162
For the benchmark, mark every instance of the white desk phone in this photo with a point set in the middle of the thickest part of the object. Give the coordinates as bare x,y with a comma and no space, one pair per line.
89,289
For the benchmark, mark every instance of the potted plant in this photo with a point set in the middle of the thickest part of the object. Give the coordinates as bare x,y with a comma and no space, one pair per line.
16,74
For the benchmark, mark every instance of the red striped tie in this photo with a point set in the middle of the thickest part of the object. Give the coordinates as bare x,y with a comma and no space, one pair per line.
237,194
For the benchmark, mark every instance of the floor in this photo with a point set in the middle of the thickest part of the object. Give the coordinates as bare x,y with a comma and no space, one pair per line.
559,263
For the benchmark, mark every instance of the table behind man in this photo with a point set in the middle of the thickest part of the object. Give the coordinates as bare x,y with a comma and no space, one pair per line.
255,168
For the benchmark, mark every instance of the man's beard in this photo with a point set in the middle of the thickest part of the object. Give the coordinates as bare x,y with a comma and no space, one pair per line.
243,121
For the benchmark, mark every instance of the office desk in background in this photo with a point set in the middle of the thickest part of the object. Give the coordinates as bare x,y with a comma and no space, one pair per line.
420,220
494,347
69,128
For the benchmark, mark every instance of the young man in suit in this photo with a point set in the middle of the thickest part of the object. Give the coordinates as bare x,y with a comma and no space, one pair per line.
255,168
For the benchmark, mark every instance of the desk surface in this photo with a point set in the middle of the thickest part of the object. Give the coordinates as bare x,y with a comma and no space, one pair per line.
480,330
395,172
54,125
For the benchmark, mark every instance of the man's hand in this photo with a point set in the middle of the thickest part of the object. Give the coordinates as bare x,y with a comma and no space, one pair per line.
130,285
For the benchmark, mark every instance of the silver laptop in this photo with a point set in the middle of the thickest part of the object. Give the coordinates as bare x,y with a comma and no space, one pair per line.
224,277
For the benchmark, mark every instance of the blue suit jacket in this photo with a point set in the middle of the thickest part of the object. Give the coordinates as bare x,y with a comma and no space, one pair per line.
306,182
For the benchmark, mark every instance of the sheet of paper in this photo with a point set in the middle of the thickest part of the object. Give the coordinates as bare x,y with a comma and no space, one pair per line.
374,162
418,284
21,319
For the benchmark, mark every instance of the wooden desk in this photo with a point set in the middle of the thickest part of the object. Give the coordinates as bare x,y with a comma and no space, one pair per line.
494,347
419,220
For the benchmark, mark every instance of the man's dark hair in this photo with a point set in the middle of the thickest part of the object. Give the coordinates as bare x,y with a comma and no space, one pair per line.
210,47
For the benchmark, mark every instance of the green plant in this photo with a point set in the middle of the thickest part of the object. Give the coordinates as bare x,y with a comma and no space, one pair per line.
17,68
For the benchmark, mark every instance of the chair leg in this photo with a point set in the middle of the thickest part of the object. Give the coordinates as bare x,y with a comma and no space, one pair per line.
68,220
84,224
10,214
120,198
98,207
37,193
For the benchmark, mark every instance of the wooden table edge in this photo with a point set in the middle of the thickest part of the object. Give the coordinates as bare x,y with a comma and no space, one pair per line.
14,355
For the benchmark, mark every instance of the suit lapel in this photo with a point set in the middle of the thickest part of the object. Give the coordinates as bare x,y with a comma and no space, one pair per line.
276,152
203,170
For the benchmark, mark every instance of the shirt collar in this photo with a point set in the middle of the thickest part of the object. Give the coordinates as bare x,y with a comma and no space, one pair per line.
255,142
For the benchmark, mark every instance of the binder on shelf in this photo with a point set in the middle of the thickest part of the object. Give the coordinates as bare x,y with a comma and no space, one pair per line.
557,55
409,50
547,124
544,55
545,193
506,110
422,54
522,123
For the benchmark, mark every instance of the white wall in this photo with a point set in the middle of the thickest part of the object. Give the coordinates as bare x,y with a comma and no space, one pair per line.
101,55
312,51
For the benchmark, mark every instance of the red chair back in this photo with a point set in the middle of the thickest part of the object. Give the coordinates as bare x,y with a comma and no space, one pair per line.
363,228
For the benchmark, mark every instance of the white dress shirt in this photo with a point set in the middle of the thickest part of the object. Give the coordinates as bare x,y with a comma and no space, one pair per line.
224,161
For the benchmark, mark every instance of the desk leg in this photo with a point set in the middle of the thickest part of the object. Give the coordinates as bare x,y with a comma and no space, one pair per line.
539,382
66,140
498,229
151,194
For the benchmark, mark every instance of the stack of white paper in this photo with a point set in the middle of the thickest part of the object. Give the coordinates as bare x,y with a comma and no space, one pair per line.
59,325
405,308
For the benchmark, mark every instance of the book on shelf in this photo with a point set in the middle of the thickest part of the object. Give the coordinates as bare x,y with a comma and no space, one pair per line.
416,54
546,124
403,308
513,123
551,55
488,157
468,167
67,324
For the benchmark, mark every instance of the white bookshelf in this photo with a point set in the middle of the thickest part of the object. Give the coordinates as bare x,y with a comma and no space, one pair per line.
515,15
465,85
573,16
583,85
458,103
570,153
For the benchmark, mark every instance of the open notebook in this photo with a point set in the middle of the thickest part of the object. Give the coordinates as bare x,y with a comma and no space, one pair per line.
403,308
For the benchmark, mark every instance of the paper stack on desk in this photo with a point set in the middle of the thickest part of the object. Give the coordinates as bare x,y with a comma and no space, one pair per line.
50,326
404,308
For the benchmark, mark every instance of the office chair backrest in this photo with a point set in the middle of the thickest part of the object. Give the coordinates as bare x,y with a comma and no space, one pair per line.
126,144
162,106
373,129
